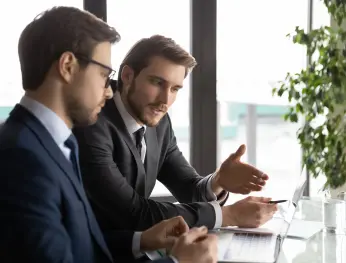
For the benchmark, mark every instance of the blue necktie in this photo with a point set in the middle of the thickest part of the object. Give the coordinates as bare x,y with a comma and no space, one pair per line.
72,144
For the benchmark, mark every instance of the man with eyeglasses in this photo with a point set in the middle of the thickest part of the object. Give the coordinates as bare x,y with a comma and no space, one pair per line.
65,59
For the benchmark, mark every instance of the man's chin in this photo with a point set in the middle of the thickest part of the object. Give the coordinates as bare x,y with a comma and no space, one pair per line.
86,122
151,122
93,120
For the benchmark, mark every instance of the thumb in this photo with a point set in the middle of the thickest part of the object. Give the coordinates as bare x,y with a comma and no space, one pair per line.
238,154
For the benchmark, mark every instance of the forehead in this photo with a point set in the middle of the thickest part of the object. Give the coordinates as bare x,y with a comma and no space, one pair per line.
102,53
166,69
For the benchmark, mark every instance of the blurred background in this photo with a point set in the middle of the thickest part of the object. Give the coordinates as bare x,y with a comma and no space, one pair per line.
242,51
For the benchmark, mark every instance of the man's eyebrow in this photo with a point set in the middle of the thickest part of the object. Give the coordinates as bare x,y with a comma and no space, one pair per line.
157,77
164,80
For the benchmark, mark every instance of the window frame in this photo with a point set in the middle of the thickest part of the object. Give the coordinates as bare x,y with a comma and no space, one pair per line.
203,93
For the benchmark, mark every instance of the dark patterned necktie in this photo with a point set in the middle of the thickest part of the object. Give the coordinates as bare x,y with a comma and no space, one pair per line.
139,134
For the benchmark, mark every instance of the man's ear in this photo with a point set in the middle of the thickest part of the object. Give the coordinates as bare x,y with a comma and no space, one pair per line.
127,75
67,66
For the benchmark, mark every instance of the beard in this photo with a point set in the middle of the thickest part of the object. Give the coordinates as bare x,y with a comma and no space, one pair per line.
139,111
80,115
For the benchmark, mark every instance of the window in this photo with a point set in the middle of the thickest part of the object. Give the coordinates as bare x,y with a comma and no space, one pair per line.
135,19
12,22
253,53
321,17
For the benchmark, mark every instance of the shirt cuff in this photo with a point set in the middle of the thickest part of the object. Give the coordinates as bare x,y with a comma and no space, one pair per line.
210,195
218,214
174,259
136,245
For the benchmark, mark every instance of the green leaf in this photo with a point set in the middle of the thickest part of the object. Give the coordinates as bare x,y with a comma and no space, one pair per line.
299,108
274,90
318,94
280,92
293,117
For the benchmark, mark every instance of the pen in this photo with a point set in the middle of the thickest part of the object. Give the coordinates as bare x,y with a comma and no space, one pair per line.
277,201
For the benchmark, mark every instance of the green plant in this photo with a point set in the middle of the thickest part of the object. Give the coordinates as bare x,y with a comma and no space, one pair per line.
317,97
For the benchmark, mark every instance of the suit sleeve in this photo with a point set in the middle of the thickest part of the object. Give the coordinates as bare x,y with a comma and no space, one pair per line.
30,219
120,244
184,182
114,200
178,175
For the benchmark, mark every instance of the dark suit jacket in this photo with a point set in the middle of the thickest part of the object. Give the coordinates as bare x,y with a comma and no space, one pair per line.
45,215
118,183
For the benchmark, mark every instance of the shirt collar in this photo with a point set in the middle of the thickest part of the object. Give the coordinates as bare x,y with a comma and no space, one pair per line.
50,120
130,123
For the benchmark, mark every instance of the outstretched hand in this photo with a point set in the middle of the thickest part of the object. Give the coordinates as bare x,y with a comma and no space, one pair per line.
238,177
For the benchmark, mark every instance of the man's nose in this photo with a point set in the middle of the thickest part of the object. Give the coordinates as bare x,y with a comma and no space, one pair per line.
165,95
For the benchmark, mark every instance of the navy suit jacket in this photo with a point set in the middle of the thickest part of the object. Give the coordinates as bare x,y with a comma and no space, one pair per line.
45,215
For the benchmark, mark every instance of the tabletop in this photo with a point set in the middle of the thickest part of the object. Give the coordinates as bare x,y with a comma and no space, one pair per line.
321,247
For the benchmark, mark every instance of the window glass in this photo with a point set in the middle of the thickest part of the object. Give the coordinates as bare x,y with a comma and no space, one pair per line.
136,19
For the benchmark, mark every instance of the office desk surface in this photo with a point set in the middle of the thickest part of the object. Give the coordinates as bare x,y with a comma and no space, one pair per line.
322,247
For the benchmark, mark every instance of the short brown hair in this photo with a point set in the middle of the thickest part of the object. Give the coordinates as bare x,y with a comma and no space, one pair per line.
145,49
54,32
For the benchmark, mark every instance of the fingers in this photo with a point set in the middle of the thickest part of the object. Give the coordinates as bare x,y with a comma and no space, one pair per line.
267,209
263,211
208,247
248,188
259,181
257,173
253,187
265,200
259,199
256,211
264,203
209,240
179,225
265,177
194,234
254,175
271,208
243,191
267,212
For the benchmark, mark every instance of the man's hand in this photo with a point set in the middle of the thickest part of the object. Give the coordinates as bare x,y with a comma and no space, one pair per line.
163,234
238,177
196,246
249,212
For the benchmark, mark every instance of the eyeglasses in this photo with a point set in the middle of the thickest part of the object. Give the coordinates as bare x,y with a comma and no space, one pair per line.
112,71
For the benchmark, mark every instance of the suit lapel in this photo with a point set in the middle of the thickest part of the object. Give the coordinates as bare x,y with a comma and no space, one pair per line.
152,158
50,146
113,114
56,154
